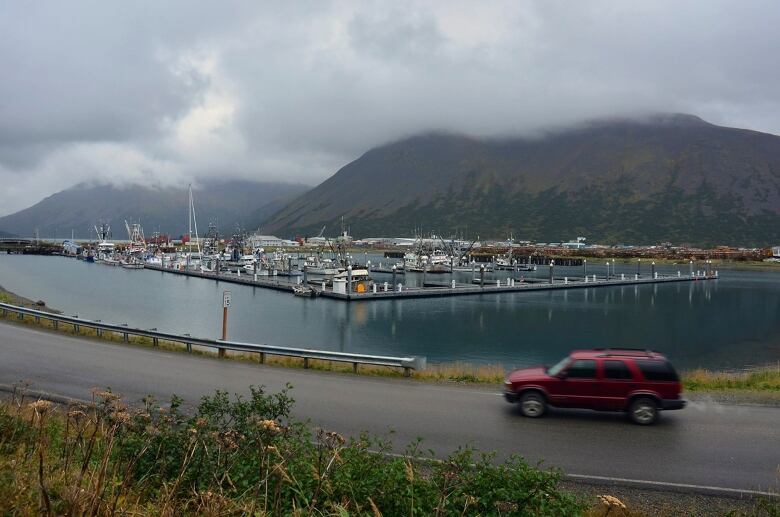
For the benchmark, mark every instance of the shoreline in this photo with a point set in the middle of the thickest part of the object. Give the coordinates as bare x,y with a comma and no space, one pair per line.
7,296
756,386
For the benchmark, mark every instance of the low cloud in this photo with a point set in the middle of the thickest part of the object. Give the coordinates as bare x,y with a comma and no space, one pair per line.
169,93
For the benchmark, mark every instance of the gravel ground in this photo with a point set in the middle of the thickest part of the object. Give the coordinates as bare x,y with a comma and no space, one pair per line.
661,503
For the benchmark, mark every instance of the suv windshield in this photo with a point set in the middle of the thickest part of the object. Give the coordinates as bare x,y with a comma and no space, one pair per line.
555,370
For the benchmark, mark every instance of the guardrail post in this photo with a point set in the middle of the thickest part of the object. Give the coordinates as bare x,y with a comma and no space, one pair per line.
407,371
55,324
354,367
76,329
305,362
155,341
262,357
37,319
189,347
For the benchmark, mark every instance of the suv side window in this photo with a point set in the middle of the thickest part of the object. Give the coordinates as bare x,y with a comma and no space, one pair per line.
582,369
657,370
616,370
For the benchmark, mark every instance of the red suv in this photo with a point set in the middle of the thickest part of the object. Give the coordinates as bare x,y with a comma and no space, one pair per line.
640,382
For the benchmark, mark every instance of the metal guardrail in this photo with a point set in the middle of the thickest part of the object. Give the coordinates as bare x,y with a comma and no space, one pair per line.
407,363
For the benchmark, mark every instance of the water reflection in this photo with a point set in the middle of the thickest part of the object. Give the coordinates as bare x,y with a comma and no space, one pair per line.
729,323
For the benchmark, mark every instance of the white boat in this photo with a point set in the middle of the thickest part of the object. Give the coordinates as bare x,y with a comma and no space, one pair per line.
317,266
154,260
109,261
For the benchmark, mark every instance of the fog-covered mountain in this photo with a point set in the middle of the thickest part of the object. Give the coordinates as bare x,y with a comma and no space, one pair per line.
665,178
157,209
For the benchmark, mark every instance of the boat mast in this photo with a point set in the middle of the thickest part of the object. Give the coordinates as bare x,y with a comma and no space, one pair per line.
192,220
189,218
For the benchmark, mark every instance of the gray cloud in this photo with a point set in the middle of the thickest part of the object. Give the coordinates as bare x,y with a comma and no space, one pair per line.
170,92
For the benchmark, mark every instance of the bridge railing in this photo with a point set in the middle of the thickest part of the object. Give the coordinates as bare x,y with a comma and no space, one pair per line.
406,363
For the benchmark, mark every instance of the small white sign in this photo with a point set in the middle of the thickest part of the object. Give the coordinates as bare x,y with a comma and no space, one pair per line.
226,299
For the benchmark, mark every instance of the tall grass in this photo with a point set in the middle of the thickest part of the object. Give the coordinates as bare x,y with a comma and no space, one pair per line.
236,456
765,379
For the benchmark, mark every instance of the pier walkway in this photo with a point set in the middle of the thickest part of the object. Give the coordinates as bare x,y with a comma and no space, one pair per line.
385,291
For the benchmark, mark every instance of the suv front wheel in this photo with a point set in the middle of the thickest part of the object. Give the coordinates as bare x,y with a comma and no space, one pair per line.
533,404
643,411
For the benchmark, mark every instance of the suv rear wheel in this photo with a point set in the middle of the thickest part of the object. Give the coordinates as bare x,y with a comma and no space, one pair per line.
532,404
643,411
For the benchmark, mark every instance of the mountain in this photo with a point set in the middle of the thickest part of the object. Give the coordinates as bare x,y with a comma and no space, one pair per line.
157,209
4,235
670,178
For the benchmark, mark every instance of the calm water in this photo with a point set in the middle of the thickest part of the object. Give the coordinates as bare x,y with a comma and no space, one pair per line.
728,323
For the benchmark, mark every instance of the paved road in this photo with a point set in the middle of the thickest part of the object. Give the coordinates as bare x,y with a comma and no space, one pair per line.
707,444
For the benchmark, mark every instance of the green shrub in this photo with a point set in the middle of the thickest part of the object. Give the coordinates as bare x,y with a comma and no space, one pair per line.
232,455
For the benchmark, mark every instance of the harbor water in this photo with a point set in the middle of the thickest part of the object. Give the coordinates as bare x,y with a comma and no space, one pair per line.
733,322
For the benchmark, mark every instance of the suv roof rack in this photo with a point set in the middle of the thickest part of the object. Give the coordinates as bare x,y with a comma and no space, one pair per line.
626,351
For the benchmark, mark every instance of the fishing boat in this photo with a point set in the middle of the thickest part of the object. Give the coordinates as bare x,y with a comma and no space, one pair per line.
318,266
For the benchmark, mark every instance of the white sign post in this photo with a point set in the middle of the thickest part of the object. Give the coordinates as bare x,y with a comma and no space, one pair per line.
225,305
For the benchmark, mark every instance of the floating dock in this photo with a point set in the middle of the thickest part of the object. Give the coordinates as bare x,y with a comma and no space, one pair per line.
385,291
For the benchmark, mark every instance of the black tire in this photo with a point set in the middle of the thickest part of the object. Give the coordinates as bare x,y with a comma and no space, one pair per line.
643,411
533,404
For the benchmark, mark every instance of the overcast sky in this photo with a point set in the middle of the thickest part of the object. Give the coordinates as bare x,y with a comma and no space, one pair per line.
172,92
